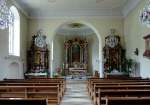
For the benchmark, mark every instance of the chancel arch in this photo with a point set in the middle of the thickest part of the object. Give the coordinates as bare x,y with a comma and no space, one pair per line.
81,31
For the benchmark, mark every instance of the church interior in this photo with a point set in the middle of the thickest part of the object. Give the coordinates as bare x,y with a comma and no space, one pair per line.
75,52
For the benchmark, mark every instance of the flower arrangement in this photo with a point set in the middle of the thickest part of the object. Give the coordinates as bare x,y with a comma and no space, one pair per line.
58,70
128,66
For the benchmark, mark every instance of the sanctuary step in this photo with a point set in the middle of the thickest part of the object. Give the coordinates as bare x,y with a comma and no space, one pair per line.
76,93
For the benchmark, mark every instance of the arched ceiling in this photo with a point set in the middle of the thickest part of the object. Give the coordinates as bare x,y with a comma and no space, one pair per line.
77,29
48,8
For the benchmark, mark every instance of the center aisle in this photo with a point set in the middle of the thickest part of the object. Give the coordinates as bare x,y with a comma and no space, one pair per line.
76,93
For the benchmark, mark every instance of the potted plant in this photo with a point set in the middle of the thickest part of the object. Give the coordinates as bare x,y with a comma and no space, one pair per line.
127,66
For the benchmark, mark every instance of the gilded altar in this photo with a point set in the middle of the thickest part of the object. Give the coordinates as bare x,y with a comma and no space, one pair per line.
37,57
76,56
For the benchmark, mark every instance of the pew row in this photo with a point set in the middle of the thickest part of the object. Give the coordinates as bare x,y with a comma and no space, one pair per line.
127,101
60,87
122,93
47,81
51,93
22,101
125,86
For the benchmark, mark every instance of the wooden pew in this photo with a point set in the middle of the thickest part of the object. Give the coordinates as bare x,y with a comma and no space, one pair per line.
60,81
124,83
102,94
113,81
48,92
127,101
114,84
61,90
22,101
95,94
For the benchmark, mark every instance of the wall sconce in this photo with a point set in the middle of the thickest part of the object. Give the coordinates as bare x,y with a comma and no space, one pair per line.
136,52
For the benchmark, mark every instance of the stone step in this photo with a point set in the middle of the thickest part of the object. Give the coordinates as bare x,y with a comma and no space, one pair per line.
76,103
77,95
77,90
76,100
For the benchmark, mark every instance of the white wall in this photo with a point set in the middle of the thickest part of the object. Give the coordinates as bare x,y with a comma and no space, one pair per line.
93,53
5,61
134,32
58,52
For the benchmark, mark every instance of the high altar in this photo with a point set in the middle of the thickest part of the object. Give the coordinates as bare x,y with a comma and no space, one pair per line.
76,56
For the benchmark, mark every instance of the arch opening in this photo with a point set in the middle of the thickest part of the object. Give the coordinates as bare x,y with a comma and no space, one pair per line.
69,31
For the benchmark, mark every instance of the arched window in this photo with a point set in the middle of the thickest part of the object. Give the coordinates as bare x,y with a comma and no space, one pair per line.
14,33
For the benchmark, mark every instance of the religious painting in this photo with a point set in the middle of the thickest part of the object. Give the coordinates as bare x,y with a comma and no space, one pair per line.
76,53
147,46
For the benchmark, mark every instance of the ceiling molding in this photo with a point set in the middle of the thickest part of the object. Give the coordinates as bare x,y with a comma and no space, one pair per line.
131,4
105,13
20,8
77,13
78,17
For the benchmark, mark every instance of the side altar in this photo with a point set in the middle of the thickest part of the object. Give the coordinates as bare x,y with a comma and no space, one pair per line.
37,57
114,57
76,56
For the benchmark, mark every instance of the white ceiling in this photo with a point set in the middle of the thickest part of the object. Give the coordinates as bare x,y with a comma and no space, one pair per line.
52,8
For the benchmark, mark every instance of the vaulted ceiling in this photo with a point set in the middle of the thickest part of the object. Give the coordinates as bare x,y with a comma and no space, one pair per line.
71,29
52,8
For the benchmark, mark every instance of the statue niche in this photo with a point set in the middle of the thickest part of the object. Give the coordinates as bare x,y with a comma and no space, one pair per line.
76,56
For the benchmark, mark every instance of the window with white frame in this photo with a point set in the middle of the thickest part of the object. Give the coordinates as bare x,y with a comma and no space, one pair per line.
14,33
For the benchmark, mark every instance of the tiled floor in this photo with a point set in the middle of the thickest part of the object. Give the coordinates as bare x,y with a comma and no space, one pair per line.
76,93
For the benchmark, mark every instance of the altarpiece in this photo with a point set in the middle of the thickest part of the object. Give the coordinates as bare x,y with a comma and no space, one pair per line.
114,55
76,56
38,57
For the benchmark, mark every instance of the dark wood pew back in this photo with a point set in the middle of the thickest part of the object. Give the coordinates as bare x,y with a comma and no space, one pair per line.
48,92
127,101
122,93
22,101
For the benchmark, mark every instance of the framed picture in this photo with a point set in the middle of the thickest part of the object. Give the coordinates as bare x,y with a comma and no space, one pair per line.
147,46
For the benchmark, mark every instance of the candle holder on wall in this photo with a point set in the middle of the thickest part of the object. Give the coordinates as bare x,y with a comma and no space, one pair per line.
136,51
147,46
